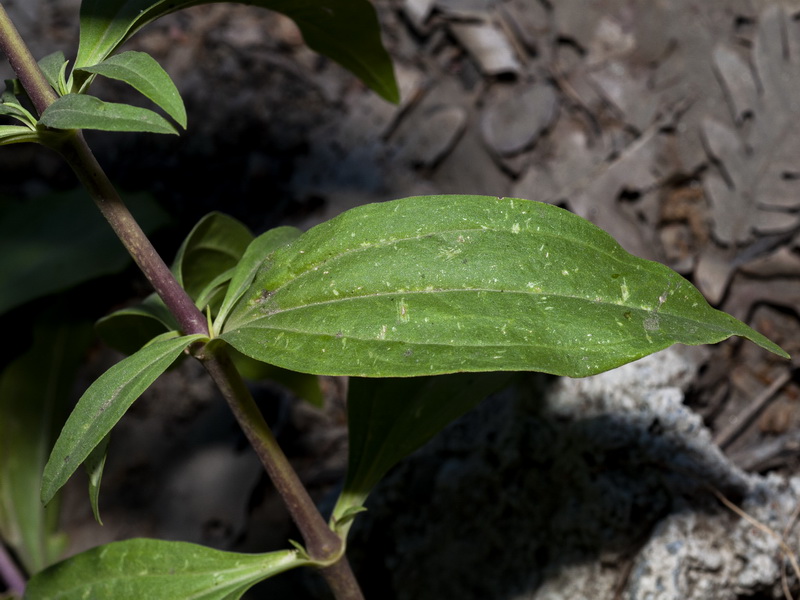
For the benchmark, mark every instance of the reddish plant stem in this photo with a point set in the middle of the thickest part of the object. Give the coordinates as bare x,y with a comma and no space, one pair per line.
76,152
10,573
24,64
343,583
322,543
78,155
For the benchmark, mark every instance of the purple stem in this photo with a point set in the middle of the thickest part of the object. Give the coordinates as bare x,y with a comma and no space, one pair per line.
10,573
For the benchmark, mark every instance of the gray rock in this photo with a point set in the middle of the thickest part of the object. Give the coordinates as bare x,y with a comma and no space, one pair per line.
548,492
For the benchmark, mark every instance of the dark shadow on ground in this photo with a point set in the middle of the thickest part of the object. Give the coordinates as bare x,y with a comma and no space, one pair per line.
511,492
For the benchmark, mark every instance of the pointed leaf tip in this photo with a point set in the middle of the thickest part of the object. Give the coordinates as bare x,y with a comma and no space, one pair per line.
79,111
103,405
158,570
143,73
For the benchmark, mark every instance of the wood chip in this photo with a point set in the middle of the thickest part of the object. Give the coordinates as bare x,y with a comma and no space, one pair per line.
781,263
737,79
426,138
777,291
456,174
515,116
418,12
774,223
465,9
731,209
757,164
529,22
488,46
713,273
610,40
677,242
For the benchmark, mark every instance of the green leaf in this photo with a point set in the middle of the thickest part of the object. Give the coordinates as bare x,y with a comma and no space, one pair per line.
94,464
16,134
249,264
32,409
20,114
345,30
11,106
158,570
79,111
15,111
213,247
128,329
53,66
212,295
304,386
51,243
141,71
13,88
103,404
388,419
443,284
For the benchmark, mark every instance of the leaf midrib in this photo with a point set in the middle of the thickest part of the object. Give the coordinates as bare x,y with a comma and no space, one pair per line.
642,310
313,268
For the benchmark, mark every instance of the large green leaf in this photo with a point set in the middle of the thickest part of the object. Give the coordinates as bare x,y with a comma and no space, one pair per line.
443,284
103,404
141,71
389,418
79,111
345,30
212,248
158,570
51,243
34,396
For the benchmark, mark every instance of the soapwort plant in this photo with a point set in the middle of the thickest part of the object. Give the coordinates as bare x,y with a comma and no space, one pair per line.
450,294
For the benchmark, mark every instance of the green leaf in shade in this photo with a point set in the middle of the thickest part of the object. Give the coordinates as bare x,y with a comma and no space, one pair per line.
13,88
16,134
11,106
158,570
53,66
103,404
345,30
17,112
94,464
212,295
51,243
129,329
249,263
443,284
213,247
79,111
32,409
304,386
141,71
388,419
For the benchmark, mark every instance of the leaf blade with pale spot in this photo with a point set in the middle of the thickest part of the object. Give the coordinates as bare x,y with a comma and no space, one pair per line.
442,284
